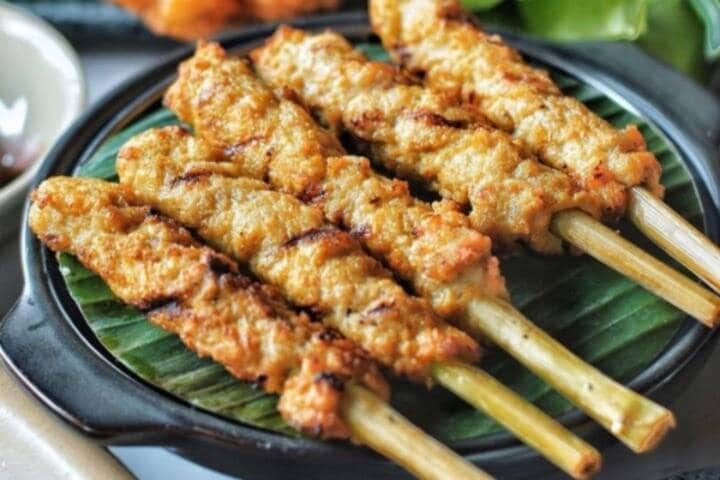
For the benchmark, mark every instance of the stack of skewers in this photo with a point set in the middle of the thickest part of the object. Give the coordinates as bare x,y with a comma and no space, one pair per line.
264,184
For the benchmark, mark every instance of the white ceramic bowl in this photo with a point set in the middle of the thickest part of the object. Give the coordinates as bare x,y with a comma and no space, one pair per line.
39,65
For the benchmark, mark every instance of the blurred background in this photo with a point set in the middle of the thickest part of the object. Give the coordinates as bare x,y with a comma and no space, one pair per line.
115,40
683,33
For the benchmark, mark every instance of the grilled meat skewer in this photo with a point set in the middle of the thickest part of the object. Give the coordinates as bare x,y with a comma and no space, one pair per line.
433,249
440,40
289,245
437,38
148,261
361,97
152,263
320,267
423,136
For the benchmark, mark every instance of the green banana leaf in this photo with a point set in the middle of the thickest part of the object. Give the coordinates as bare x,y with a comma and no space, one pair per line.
605,318
586,19
161,359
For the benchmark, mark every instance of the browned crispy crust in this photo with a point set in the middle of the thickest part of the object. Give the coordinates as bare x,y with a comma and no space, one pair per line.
288,244
283,9
423,135
433,247
186,19
437,38
193,19
150,262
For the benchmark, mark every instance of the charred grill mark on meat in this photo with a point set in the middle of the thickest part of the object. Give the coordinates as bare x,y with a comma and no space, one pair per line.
458,57
288,244
308,163
421,135
190,290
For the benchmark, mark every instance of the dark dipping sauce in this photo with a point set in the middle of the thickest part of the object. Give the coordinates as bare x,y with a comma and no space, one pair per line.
16,155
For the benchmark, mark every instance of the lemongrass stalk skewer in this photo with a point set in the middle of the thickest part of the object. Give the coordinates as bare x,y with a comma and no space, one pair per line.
446,261
523,419
377,425
611,249
638,422
288,245
138,254
440,39
676,236
420,134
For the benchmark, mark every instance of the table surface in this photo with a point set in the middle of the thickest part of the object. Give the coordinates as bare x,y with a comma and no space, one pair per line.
683,450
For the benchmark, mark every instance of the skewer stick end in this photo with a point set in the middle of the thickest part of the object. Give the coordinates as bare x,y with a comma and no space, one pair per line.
530,424
713,320
656,433
593,237
674,234
587,466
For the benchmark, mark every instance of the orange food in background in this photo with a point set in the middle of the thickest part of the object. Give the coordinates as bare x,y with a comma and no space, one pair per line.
193,19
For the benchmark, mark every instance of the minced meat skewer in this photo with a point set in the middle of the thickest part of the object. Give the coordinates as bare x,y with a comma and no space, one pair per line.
423,136
437,38
328,387
432,249
441,41
414,132
288,244
152,263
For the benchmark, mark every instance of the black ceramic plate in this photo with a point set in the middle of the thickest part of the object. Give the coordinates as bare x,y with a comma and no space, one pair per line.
50,348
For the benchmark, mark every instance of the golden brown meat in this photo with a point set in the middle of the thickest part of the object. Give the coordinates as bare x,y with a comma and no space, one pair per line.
284,9
186,19
432,247
288,244
193,19
419,134
150,262
438,38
